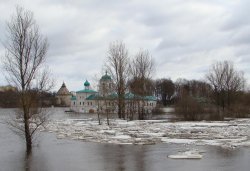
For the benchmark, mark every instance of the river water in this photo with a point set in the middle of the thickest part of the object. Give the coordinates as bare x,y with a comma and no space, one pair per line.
52,154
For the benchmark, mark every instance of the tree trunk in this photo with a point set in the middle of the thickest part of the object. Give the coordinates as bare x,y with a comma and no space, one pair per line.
119,110
28,137
107,112
99,120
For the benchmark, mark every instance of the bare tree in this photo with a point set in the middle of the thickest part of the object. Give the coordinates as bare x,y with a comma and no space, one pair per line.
118,66
25,55
142,65
225,81
234,81
142,68
194,88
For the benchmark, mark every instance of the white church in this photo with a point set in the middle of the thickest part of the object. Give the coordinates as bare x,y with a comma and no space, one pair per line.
88,100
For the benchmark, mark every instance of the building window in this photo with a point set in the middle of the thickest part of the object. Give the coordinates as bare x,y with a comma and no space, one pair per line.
80,103
74,103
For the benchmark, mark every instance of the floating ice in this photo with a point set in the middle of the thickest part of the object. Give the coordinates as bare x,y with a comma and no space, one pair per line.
186,155
228,134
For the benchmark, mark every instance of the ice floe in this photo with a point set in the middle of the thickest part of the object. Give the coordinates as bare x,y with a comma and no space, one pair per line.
228,134
193,154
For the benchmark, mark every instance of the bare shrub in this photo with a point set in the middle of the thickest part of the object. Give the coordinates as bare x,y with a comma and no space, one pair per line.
189,108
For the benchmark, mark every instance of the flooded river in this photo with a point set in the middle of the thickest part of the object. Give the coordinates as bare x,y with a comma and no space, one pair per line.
52,154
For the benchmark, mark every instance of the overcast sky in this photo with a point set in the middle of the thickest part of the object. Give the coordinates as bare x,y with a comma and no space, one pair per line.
183,37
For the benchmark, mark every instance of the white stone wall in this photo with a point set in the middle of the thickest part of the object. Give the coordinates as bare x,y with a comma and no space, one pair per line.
106,87
82,105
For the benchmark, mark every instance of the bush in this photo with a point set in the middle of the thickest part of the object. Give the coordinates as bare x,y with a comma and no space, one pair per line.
189,108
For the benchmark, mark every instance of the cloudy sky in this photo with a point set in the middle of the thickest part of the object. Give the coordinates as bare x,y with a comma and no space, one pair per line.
183,37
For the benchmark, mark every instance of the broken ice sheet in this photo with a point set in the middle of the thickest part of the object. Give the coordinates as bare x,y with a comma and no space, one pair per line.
229,134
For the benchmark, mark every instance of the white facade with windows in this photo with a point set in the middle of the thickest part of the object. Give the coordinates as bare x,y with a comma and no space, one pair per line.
91,101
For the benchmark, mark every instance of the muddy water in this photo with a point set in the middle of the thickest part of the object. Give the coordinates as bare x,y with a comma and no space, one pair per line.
51,154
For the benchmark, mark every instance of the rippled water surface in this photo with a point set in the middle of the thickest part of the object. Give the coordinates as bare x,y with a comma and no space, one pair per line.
51,154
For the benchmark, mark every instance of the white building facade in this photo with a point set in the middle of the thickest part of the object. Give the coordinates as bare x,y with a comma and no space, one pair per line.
80,102
91,101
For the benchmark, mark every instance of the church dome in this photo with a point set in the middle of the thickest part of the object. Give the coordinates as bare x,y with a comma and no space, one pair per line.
86,84
106,77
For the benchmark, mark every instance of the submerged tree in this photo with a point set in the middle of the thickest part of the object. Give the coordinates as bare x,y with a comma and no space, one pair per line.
25,55
226,81
142,68
118,66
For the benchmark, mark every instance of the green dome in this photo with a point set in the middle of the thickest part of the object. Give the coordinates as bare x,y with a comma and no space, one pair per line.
86,84
106,77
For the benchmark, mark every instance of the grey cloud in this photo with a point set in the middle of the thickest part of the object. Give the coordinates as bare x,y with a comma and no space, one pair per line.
184,37
237,16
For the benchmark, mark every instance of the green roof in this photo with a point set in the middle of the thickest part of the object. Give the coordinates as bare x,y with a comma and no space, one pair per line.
73,98
113,95
98,97
86,91
92,97
150,98
129,96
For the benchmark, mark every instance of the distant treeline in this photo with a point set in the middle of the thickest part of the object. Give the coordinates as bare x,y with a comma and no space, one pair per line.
221,93
9,99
